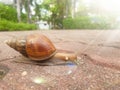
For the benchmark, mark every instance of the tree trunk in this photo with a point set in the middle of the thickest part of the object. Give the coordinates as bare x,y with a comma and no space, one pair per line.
18,10
28,11
73,8
68,5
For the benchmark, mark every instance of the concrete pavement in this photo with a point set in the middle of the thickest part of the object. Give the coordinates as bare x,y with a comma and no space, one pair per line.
99,68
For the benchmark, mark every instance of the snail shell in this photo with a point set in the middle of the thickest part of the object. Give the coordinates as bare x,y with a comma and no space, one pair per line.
35,46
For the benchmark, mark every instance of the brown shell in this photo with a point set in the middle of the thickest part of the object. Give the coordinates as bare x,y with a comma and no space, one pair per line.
35,46
39,47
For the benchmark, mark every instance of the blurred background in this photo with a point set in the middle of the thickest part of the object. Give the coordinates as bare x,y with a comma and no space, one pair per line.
59,14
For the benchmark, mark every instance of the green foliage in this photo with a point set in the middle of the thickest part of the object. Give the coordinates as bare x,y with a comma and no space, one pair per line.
56,12
85,22
8,19
76,23
23,17
12,26
8,12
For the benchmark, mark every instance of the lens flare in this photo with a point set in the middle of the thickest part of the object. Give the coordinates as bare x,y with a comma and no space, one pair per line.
39,80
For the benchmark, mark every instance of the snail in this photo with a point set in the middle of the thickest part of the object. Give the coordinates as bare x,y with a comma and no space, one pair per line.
38,47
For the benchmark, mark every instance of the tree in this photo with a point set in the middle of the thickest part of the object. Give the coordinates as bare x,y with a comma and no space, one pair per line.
17,5
58,9
28,11
23,4
73,8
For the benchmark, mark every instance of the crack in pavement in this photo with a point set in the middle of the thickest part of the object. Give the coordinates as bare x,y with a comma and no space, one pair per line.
97,60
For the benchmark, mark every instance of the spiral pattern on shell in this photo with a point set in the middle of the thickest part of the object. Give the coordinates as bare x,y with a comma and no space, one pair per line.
34,46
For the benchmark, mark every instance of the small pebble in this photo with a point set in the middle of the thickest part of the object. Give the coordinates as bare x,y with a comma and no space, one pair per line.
69,72
32,87
24,73
73,78
48,88
66,58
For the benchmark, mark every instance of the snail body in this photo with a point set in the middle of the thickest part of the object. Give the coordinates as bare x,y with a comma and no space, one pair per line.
38,47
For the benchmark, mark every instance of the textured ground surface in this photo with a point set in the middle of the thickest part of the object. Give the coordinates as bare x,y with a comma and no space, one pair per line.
98,69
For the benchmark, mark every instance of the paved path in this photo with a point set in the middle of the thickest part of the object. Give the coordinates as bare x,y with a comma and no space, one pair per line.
99,68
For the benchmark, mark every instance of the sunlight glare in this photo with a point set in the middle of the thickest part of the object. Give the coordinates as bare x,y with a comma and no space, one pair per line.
110,5
39,80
